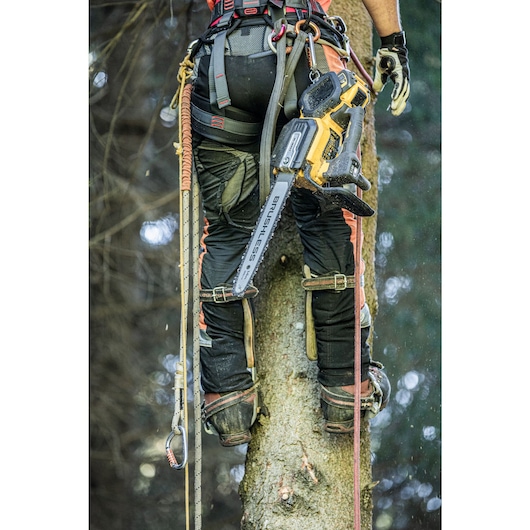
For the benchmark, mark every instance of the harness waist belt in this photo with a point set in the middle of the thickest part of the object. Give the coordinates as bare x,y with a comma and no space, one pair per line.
207,124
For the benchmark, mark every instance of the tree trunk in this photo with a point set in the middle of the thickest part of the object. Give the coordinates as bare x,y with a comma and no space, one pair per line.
297,476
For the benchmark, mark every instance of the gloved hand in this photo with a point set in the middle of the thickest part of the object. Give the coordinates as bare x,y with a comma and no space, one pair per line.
392,62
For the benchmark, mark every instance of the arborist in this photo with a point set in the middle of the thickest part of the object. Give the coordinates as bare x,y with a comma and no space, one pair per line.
235,72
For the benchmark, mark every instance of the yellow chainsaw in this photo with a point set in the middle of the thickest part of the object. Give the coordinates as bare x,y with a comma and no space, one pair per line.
317,151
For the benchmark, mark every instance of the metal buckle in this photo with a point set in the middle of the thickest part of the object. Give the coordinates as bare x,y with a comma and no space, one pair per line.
343,279
219,298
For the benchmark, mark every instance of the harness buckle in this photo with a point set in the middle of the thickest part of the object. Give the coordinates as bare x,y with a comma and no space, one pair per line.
219,294
225,21
342,280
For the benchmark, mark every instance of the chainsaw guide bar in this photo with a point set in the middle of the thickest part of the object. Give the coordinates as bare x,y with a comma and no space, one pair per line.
259,241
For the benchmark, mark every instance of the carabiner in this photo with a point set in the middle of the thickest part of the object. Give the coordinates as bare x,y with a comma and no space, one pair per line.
312,25
169,452
276,38
272,37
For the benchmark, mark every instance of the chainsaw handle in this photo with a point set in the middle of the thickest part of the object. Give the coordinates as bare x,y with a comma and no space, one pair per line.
354,130
346,167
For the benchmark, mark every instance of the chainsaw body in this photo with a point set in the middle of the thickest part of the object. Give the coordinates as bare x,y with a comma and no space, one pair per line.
317,151
321,145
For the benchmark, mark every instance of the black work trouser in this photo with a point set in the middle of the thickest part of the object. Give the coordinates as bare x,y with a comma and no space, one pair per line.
231,205
228,178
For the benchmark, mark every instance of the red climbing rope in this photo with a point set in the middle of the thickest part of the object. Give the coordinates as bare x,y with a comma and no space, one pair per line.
357,372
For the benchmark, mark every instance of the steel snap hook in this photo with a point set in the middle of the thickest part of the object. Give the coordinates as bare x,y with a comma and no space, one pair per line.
169,452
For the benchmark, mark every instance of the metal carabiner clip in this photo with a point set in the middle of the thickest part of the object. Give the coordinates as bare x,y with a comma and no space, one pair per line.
312,25
169,452
273,37
276,38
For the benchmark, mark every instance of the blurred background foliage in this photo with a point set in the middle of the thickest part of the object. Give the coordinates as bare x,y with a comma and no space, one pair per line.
407,338
135,50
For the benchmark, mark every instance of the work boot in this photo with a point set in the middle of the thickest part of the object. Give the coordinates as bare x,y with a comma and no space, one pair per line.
338,402
230,415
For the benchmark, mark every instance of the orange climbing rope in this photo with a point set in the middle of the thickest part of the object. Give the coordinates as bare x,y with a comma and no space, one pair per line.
182,100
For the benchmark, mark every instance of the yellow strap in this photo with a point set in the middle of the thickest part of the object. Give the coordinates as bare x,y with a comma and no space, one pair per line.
310,334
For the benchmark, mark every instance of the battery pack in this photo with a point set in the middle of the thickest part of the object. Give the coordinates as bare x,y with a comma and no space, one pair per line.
293,144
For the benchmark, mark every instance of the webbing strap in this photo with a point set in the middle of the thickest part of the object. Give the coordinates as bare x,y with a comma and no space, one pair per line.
310,333
227,400
284,73
219,87
240,8
242,128
337,282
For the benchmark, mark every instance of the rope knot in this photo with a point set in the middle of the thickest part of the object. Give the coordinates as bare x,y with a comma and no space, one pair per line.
178,148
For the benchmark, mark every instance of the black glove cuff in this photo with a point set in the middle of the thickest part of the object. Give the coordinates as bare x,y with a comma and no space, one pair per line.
394,40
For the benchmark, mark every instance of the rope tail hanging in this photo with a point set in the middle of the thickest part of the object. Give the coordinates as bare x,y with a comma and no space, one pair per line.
357,375
357,345
190,182
183,148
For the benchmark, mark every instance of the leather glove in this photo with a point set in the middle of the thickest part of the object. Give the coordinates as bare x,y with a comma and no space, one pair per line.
392,62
